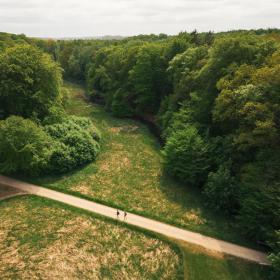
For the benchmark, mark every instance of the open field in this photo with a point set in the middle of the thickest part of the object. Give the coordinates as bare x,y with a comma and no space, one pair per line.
141,222
128,174
42,239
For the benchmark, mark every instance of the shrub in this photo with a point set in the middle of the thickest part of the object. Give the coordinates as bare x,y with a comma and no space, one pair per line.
186,156
83,148
75,143
95,133
24,146
82,122
61,160
56,115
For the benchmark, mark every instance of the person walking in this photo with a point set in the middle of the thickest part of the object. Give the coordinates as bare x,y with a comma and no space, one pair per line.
118,213
124,215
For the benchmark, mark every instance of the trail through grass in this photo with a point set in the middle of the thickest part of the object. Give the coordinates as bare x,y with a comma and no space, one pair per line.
128,174
42,239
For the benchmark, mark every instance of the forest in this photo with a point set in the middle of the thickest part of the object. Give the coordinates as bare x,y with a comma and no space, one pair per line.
214,98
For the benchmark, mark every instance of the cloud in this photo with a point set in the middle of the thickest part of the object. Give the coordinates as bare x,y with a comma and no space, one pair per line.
59,18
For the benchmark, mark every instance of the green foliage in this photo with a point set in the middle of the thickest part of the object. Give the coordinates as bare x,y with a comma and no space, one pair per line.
24,146
230,93
83,148
245,113
75,143
275,256
222,89
120,104
221,191
149,79
29,82
259,215
215,97
61,160
186,156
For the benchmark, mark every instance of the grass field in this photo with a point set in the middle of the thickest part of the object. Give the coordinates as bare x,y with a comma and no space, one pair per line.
128,174
205,265
42,239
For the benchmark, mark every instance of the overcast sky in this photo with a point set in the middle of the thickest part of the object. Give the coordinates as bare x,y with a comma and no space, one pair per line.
65,18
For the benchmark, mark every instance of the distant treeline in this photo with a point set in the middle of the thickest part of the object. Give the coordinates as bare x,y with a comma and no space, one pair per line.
215,98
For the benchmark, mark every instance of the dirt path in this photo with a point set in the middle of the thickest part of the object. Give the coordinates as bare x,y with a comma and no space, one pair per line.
7,192
139,221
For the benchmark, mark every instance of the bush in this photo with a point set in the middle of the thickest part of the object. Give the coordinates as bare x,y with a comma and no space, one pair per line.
82,122
95,133
221,191
83,148
56,115
186,156
75,143
24,146
61,160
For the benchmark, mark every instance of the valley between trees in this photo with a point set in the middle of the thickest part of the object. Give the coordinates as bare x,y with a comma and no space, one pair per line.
213,97
129,175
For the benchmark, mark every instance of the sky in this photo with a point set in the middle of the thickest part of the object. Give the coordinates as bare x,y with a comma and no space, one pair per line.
78,18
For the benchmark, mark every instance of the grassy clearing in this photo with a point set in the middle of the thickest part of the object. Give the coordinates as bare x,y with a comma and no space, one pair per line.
42,239
128,174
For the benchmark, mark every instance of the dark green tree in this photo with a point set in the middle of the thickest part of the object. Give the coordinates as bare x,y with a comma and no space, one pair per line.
29,82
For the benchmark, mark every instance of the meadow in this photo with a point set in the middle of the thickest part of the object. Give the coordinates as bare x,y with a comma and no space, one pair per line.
42,239
128,174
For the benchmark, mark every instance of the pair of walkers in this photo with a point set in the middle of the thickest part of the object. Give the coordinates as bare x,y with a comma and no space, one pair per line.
124,214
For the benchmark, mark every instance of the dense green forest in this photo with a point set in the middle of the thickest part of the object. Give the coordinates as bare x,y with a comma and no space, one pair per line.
214,97
36,135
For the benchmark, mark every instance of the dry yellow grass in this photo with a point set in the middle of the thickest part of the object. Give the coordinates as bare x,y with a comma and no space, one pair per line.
40,239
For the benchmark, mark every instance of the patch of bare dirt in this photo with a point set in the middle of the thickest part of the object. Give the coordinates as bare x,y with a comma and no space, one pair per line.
125,129
195,217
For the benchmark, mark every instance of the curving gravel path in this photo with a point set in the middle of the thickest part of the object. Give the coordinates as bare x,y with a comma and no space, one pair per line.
142,222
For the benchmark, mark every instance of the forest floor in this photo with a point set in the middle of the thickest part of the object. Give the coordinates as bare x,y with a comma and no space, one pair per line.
128,174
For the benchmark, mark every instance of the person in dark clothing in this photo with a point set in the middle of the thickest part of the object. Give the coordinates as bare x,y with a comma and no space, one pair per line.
118,213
